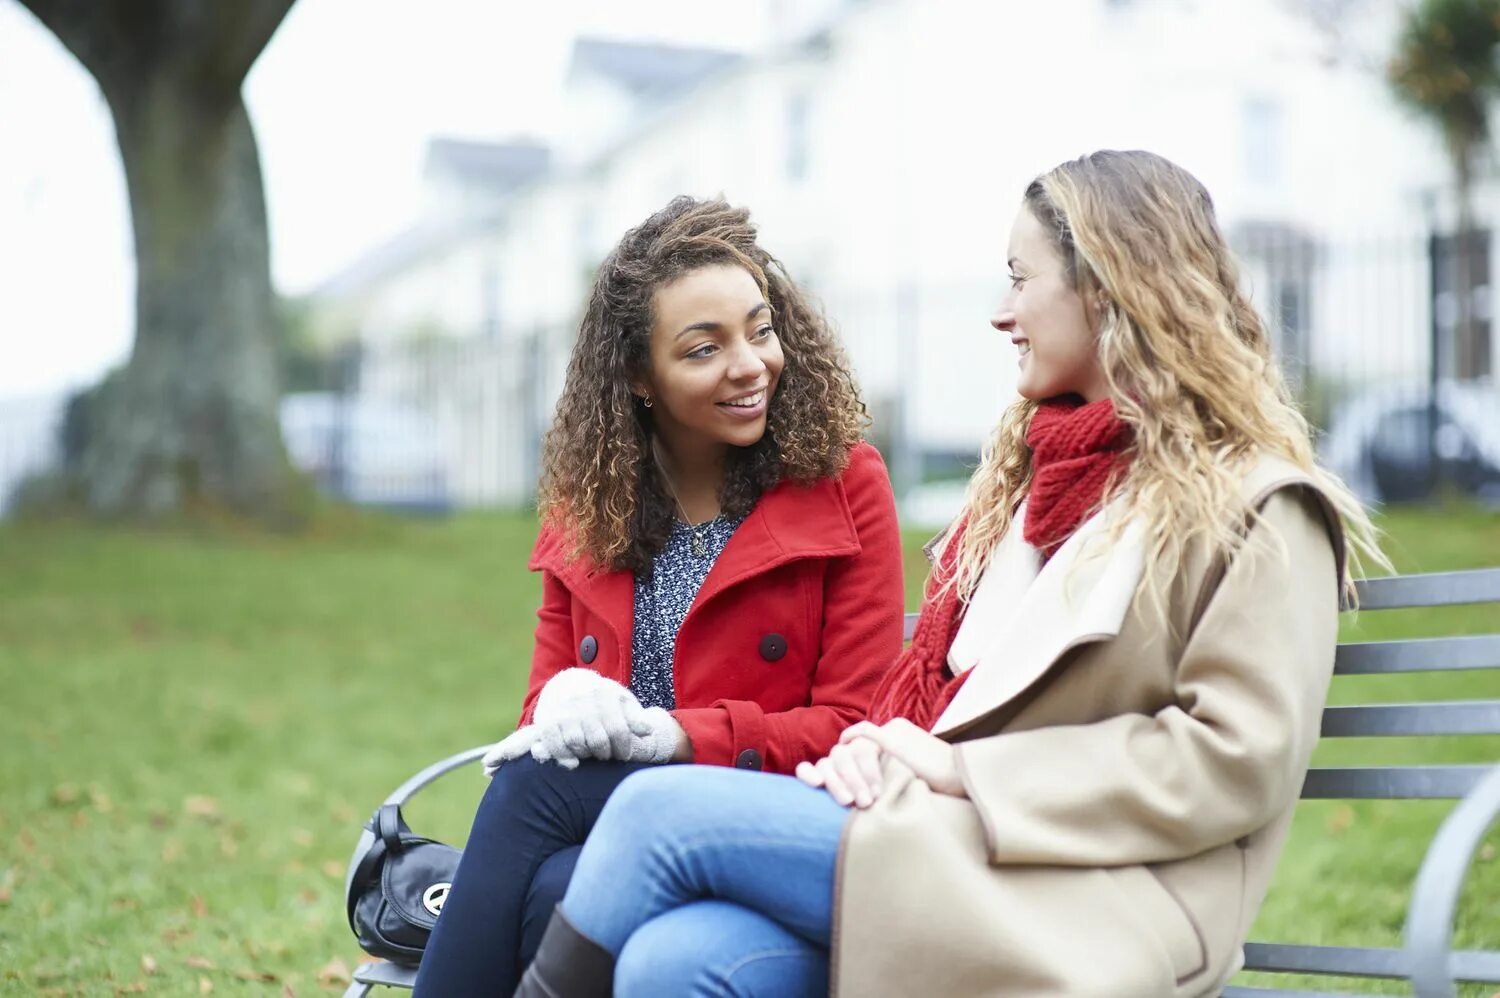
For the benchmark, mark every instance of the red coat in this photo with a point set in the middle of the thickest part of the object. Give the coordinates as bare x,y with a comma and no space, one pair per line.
783,647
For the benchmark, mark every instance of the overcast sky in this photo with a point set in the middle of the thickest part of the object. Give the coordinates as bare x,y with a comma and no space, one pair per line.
344,101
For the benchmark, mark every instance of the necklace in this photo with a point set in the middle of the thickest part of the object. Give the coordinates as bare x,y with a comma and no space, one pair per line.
698,531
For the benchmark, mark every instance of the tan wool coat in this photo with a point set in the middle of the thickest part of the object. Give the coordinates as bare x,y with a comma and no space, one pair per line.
1131,767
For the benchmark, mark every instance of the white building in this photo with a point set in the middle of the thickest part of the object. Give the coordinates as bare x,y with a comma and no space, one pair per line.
882,147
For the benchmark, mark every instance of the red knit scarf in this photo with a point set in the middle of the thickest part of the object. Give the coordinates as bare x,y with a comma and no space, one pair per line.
1074,447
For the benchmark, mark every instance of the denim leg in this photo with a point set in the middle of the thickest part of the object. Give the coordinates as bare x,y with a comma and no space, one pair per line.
529,812
716,949
547,889
678,834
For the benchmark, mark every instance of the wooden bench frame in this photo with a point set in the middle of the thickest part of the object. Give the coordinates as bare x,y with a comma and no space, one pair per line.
1427,958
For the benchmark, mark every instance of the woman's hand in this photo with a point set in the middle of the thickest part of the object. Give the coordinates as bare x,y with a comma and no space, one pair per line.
934,761
850,773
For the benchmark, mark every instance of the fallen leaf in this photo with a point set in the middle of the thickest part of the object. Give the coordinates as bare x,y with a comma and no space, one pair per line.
1340,820
159,819
124,904
101,801
80,819
333,868
27,842
228,846
148,964
302,837
139,987
1487,853
64,794
199,908
287,992
5,896
199,963
201,807
307,895
173,936
336,971
341,813
171,851
265,977
205,986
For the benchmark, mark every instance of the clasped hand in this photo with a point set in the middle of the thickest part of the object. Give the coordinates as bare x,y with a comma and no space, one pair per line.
582,715
851,772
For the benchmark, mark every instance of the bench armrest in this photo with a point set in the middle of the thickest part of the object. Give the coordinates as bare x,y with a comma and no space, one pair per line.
1434,900
408,790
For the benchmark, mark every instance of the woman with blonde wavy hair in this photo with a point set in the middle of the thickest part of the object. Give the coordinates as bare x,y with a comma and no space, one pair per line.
721,568
1077,778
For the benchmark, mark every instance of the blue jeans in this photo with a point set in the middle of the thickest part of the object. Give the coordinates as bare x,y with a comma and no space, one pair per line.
711,881
526,837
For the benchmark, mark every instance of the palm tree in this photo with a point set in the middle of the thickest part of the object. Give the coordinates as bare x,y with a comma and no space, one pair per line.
1446,67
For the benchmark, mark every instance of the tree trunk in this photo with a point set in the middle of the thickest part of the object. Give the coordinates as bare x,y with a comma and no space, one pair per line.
191,420
192,417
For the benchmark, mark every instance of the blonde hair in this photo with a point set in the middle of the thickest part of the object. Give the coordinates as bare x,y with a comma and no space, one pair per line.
1187,360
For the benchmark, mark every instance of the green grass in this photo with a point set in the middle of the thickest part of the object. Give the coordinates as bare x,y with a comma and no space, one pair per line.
194,724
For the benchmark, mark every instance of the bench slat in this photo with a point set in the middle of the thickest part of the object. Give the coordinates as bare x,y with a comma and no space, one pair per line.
1234,992
1363,658
1462,717
1481,585
1345,961
1361,961
1478,651
1392,782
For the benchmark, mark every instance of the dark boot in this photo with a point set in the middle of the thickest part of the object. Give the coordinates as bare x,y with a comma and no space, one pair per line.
568,964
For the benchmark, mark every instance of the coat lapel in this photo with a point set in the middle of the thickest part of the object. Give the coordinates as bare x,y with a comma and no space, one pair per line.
789,523
608,595
1080,595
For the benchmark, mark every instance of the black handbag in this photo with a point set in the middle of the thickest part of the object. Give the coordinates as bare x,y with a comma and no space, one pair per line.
396,888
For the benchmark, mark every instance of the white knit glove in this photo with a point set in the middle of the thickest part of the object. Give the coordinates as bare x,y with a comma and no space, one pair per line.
582,715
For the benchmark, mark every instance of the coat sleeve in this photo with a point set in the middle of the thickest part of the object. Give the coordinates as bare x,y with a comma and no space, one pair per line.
1222,761
861,637
552,650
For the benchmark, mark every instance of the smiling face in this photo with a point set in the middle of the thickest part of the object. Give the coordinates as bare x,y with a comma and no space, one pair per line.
1046,319
715,361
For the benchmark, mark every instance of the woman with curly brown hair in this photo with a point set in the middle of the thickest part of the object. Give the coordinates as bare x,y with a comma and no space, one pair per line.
721,568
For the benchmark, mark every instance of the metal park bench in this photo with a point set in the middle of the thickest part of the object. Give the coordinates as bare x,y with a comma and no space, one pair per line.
1427,958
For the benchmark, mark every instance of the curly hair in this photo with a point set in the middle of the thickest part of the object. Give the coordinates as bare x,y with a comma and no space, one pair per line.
1187,359
599,483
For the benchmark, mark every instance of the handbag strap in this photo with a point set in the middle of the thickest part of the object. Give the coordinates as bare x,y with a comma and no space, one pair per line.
386,826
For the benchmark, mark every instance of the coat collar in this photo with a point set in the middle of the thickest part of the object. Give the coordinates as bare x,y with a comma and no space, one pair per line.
789,523
1081,595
